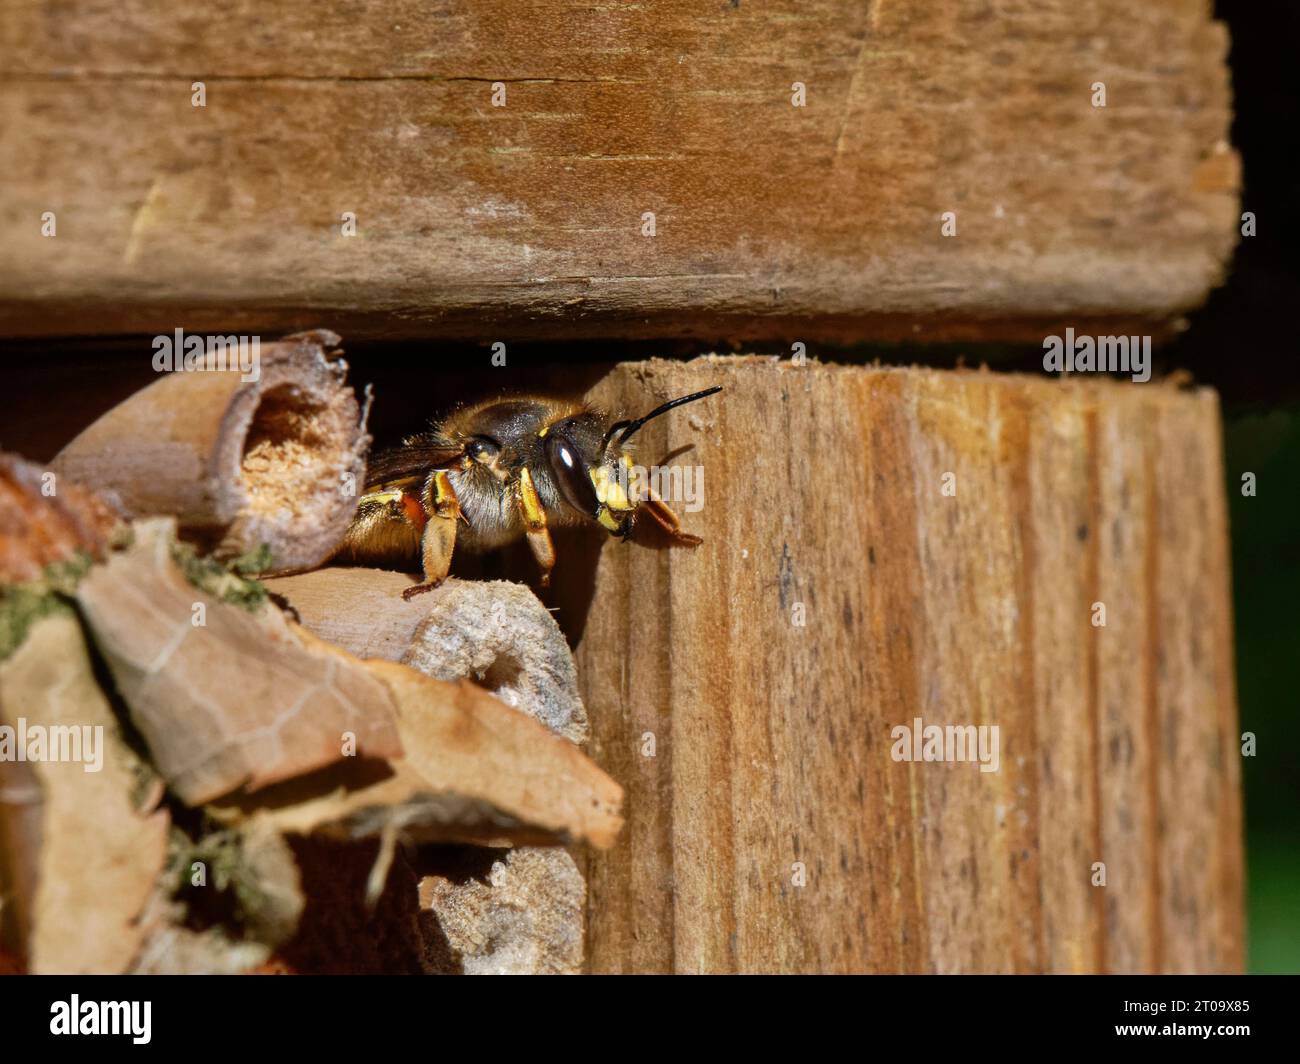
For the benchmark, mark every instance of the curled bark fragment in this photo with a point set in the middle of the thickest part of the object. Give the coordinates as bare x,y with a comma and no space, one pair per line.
474,770
462,740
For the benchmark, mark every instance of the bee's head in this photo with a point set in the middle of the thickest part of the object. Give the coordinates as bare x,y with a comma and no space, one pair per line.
590,463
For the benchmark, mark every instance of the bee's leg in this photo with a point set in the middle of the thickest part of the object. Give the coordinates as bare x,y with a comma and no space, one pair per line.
664,516
439,537
539,538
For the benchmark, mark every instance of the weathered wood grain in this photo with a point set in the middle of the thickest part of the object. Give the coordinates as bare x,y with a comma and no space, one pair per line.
493,223
823,491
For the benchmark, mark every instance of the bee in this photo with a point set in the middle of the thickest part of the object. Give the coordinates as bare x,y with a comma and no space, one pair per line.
498,470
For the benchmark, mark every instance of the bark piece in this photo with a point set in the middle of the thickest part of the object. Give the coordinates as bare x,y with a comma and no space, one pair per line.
89,845
275,460
475,745
38,528
495,633
402,805
245,699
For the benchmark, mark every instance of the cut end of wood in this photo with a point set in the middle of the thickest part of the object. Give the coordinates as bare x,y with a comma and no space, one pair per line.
495,633
526,919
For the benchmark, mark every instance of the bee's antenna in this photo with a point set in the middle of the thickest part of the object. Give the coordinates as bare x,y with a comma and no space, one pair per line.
626,428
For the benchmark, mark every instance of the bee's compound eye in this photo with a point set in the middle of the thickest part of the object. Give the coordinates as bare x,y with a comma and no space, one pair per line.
571,474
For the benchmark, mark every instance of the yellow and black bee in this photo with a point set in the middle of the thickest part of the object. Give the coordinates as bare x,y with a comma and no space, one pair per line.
498,470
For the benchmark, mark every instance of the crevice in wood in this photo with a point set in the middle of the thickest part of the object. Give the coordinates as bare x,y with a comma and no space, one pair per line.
1155,772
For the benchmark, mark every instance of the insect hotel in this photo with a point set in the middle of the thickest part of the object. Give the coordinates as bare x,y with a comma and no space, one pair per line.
336,634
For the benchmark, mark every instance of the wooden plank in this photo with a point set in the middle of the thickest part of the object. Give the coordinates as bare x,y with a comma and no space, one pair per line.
1190,684
1129,740
1063,577
814,222
824,491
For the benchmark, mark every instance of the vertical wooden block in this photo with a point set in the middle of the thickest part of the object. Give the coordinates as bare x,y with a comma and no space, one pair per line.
825,502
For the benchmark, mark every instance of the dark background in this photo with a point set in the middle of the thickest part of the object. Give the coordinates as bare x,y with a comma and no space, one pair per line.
1243,342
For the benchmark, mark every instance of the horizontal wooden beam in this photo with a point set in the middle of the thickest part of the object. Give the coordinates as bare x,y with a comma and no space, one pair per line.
530,218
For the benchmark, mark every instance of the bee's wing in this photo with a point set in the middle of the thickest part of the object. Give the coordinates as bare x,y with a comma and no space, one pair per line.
412,461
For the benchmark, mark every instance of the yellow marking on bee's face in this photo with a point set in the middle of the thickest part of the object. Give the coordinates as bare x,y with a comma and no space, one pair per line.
381,496
545,429
609,521
609,490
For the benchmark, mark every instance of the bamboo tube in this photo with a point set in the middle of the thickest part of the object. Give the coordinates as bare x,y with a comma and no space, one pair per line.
239,462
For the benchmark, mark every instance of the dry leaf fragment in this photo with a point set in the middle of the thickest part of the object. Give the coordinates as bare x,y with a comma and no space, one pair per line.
82,849
225,697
